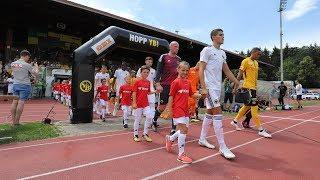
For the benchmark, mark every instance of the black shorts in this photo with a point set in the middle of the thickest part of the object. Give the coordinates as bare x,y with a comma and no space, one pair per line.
253,100
228,96
299,97
164,95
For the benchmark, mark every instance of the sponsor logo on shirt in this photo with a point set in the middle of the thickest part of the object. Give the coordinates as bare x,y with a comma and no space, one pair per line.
16,65
143,89
183,91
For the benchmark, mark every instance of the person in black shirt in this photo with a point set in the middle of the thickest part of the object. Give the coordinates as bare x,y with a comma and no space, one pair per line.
283,90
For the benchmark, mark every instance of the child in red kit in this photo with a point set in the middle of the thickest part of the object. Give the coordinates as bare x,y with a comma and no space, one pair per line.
102,93
125,95
140,104
178,108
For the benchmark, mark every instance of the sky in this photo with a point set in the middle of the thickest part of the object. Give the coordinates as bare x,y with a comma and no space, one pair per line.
246,23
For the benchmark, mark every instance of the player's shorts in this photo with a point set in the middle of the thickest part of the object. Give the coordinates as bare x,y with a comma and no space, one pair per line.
69,97
299,97
181,120
253,100
102,102
213,98
126,108
164,95
56,92
228,97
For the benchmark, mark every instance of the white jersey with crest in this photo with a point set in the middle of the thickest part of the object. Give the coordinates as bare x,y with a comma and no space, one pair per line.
214,58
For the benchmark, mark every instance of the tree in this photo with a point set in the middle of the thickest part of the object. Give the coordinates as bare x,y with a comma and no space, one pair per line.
308,73
290,70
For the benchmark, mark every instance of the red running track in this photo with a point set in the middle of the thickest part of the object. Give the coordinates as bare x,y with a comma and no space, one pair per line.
115,155
36,110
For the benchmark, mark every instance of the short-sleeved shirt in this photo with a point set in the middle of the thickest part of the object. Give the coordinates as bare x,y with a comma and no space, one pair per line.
299,89
250,70
63,88
120,75
151,76
21,71
193,77
214,58
126,93
180,91
142,89
283,90
169,71
56,86
68,89
103,91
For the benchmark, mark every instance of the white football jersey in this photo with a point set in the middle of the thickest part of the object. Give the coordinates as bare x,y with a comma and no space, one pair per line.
214,58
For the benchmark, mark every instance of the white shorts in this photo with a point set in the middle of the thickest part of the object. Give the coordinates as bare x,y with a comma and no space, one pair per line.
56,92
69,97
213,98
102,102
126,108
152,98
181,120
143,111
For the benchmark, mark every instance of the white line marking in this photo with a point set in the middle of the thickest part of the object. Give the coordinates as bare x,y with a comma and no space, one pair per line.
207,157
125,156
294,119
97,137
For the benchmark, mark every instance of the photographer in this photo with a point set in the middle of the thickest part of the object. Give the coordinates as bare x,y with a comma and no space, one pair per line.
21,83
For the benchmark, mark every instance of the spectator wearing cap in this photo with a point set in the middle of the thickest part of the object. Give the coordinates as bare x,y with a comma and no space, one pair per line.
21,83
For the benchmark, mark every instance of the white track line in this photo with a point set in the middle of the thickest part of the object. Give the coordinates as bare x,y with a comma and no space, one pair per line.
72,140
126,156
120,157
207,157
97,137
294,119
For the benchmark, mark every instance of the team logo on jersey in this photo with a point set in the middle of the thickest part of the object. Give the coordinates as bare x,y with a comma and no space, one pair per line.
85,86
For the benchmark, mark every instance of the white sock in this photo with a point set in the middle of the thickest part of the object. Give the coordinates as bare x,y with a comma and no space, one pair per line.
217,122
115,110
181,143
205,126
147,124
95,106
125,114
136,125
103,113
174,136
107,107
